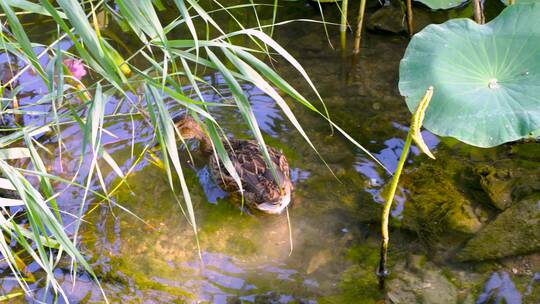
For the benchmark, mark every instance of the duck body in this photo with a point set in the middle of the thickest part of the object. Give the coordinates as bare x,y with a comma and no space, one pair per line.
262,193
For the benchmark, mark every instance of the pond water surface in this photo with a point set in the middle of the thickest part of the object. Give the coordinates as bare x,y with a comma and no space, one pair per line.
333,221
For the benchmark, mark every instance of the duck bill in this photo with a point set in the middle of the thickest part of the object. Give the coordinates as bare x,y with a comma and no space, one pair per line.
273,208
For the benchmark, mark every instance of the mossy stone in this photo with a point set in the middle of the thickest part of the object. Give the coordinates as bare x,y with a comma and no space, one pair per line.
497,184
387,19
529,150
509,180
435,203
426,286
515,231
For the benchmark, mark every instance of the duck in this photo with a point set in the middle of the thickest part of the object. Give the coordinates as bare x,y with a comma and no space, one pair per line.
261,191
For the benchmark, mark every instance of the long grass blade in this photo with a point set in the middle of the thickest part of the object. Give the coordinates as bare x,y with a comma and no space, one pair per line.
22,39
29,7
166,137
245,109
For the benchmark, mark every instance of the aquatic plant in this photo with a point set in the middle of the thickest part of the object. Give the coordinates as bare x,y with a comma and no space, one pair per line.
359,26
478,8
343,23
170,62
413,135
511,2
486,77
46,235
75,67
485,81
441,4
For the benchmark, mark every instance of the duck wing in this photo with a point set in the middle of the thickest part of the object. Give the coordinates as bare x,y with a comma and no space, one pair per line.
257,179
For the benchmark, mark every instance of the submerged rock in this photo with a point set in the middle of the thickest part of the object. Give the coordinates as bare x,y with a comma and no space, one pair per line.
426,285
515,231
318,260
497,184
436,204
529,150
358,281
389,18
509,180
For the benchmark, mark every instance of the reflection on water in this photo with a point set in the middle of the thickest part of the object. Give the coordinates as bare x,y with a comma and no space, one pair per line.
500,289
211,190
389,157
534,283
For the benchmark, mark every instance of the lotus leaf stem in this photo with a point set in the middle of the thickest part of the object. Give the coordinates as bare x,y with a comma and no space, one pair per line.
382,272
478,13
358,34
413,134
343,25
410,28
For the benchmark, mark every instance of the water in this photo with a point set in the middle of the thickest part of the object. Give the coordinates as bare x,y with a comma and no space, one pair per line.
154,257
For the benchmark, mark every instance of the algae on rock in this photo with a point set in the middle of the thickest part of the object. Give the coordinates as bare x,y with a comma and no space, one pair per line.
426,285
509,180
515,231
436,204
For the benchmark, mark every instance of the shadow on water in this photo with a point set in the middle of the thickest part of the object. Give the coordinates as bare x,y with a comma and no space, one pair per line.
248,259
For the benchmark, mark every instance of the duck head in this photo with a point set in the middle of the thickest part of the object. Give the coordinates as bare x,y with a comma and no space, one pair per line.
188,128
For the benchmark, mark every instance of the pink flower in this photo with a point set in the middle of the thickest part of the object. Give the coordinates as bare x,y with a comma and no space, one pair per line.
75,67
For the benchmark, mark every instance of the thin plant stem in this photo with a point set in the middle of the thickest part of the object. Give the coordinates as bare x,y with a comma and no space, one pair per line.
478,14
410,28
343,25
290,231
413,135
510,2
382,272
358,34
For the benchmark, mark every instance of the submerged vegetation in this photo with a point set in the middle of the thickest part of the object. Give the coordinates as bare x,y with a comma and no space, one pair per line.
89,111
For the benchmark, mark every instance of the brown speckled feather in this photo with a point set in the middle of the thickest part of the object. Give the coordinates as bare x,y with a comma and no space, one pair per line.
257,180
261,192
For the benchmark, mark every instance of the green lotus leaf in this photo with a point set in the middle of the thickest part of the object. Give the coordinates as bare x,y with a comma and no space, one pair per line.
521,1
486,78
444,4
